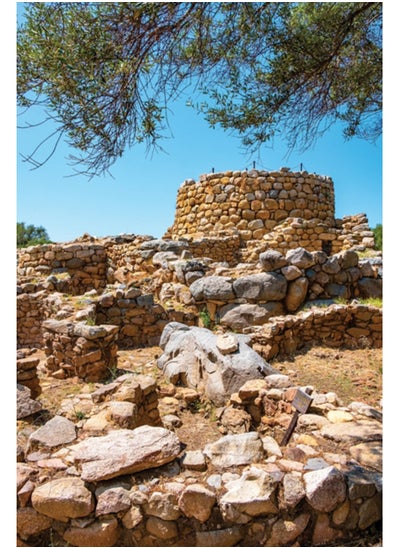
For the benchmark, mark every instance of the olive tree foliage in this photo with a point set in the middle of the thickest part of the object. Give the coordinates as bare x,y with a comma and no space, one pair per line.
106,74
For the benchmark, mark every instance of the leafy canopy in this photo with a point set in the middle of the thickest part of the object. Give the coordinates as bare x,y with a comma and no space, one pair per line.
106,73
31,235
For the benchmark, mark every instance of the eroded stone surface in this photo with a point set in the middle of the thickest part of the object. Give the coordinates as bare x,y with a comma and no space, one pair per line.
125,452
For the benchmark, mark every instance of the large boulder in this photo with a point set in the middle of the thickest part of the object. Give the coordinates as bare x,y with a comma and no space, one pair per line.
212,288
239,316
261,287
125,452
191,357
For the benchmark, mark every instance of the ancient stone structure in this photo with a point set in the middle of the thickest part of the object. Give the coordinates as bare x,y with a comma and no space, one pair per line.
279,210
247,251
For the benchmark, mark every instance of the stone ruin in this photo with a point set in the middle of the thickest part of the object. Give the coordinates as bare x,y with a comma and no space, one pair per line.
251,270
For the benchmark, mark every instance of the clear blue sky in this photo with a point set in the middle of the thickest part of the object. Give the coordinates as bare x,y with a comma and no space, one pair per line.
140,198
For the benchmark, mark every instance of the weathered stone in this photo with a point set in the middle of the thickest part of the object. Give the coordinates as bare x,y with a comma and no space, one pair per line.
260,287
271,260
361,483
300,257
339,415
162,505
235,450
26,406
368,454
227,343
30,522
293,489
236,421
161,529
284,532
323,533
125,452
112,500
296,293
325,488
353,432
370,288
370,511
194,460
292,272
63,498
56,431
191,357
251,389
212,288
197,502
221,537
249,496
271,446
132,517
99,533
240,316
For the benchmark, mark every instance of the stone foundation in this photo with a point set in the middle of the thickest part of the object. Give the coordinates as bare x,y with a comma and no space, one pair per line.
354,326
78,349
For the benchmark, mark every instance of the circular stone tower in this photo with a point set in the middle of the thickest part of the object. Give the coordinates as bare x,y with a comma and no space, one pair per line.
250,202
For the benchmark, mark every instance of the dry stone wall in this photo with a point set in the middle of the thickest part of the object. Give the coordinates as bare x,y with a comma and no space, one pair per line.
85,264
78,349
354,326
262,210
252,202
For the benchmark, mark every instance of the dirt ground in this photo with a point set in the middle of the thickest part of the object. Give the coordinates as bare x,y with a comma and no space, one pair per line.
354,375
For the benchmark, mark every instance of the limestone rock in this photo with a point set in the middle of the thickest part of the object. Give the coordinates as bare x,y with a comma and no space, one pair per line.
240,316
191,357
26,406
227,343
293,489
163,506
99,533
125,452
194,460
368,454
353,432
249,496
325,488
30,522
63,498
296,294
56,431
112,501
235,450
284,532
161,529
196,501
235,421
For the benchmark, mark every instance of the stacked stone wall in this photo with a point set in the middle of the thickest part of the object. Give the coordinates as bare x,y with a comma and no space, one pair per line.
139,319
253,202
32,309
86,264
354,326
283,284
78,349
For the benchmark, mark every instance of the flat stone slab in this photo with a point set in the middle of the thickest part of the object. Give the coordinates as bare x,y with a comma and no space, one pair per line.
353,431
56,431
125,452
